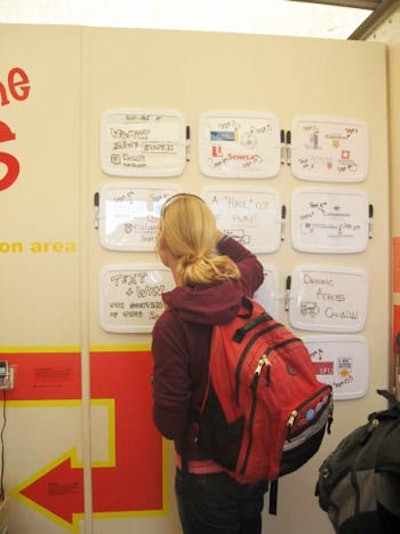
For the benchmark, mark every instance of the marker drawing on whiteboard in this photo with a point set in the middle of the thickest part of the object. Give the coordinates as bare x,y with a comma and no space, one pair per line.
283,146
187,143
371,220
288,147
283,222
288,285
96,212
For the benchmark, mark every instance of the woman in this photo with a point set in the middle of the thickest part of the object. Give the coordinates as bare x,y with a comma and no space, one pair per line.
211,272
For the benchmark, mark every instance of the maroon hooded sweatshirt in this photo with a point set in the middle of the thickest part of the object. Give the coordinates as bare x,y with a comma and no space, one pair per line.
181,343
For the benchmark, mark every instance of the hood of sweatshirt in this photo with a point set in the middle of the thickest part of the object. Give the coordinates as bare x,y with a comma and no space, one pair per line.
209,304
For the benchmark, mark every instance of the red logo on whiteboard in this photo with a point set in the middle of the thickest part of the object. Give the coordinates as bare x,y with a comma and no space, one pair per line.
323,368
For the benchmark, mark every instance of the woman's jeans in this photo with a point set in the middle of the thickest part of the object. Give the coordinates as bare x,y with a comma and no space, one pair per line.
217,504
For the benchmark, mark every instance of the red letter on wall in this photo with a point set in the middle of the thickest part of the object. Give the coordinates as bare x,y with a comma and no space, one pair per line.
11,163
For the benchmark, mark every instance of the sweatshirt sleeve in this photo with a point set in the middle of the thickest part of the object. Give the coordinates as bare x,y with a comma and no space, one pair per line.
250,267
171,384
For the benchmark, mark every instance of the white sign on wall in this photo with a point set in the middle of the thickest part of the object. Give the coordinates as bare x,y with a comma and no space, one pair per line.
239,145
130,296
328,299
129,214
268,293
142,142
329,149
341,361
251,215
329,220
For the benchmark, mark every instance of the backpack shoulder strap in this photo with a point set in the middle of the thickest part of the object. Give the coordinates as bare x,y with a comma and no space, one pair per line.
273,497
393,402
252,323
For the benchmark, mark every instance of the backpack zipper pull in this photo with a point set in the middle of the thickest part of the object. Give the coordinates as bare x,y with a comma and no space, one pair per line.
261,362
260,365
291,421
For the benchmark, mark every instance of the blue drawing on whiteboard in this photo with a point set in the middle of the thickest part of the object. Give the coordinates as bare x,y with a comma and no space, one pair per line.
223,136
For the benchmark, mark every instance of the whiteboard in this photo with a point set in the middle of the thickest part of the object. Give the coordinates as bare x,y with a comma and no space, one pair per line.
142,142
130,296
328,299
251,215
329,149
341,361
239,145
129,214
268,293
329,220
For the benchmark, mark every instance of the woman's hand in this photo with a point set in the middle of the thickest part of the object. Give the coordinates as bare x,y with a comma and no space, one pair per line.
218,236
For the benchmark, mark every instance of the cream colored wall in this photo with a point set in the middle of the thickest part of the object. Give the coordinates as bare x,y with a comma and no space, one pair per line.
39,288
40,284
81,73
394,142
394,91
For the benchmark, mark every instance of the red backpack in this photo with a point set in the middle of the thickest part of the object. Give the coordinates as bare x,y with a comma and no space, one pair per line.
264,413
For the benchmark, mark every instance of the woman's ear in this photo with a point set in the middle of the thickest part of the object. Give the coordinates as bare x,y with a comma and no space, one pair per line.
161,245
163,251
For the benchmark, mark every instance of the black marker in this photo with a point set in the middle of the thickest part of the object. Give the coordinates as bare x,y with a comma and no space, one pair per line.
96,213
371,219
187,143
283,222
288,147
282,147
288,285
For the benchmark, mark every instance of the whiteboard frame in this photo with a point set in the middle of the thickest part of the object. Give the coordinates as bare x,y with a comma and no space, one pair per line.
268,293
273,240
338,237
228,141
298,308
136,155
124,244
103,301
348,386
304,159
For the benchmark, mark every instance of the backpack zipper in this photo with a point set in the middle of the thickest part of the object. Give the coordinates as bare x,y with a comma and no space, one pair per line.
248,347
242,358
295,413
264,360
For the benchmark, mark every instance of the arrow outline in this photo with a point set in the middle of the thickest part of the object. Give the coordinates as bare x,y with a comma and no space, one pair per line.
72,455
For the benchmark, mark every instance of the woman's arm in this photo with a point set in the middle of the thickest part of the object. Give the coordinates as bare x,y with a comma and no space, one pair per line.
171,384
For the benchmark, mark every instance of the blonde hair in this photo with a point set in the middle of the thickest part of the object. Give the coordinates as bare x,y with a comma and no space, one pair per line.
187,228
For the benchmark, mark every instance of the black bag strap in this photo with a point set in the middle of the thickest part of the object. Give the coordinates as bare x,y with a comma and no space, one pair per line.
248,305
390,397
253,323
273,497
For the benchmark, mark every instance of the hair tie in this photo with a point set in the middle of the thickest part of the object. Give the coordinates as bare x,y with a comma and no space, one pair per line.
189,259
